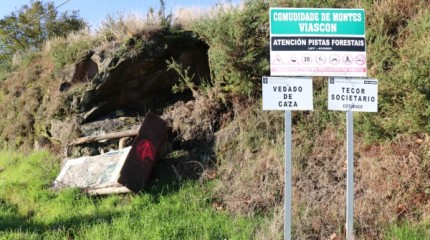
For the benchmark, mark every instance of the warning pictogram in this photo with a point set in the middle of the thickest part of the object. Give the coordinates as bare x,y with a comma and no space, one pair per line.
293,60
334,59
360,59
320,59
347,59
278,60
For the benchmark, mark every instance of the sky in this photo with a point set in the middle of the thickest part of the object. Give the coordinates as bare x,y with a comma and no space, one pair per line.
94,11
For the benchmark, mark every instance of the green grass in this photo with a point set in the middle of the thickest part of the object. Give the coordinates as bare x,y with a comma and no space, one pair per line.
407,231
29,209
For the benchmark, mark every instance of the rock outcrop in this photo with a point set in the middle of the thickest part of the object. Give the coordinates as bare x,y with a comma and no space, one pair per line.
113,85
136,78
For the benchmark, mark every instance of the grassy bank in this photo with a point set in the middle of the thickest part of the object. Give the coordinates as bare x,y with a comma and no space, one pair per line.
244,201
29,209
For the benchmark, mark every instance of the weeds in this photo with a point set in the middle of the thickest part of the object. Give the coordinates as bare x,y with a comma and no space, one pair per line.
238,55
392,150
121,28
406,231
65,52
5,68
249,161
30,210
185,80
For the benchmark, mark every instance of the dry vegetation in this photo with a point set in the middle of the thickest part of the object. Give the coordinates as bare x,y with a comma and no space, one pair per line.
250,156
197,119
392,157
391,184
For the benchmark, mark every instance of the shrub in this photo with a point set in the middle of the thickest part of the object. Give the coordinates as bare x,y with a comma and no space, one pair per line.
400,62
238,53
66,50
5,68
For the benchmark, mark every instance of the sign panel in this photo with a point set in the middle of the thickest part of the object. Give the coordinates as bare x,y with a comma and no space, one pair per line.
317,21
144,153
96,174
358,95
287,93
317,42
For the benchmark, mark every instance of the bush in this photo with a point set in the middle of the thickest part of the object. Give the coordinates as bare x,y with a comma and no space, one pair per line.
239,49
66,50
400,62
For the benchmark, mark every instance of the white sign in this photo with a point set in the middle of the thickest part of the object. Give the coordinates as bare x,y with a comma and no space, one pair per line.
287,93
317,42
358,95
318,63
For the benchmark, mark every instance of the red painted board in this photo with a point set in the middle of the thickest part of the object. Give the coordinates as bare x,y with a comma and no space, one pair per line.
144,154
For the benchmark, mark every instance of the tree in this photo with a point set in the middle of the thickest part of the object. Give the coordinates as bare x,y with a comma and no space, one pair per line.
31,25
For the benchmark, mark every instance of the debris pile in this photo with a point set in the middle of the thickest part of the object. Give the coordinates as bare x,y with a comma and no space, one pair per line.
119,171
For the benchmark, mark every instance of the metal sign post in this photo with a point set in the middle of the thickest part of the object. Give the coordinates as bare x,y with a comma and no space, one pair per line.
287,94
307,42
288,176
349,175
351,95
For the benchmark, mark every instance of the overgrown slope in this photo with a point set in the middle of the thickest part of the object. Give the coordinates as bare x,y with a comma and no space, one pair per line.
392,146
240,147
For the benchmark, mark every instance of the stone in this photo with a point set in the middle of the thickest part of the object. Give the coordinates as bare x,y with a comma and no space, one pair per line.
139,79
63,130
85,69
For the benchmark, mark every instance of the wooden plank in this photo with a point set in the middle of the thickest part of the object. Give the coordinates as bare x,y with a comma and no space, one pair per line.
113,135
108,190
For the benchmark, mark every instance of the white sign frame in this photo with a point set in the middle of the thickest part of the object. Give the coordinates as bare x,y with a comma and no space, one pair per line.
340,54
352,94
287,93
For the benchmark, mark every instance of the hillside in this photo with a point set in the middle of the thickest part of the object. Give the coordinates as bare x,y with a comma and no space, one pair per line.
221,176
